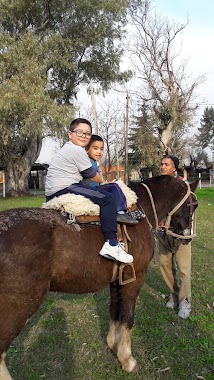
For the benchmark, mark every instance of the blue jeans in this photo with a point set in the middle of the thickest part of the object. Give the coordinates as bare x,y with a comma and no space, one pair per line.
100,197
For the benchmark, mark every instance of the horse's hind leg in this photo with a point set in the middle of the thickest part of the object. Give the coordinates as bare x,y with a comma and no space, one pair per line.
4,374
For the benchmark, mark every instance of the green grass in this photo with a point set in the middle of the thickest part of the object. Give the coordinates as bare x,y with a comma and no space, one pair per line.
66,338
27,201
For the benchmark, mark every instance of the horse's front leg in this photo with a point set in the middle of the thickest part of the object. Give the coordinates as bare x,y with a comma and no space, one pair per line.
122,307
4,374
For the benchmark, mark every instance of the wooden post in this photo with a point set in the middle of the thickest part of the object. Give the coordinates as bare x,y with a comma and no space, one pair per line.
91,88
185,174
199,175
116,151
126,139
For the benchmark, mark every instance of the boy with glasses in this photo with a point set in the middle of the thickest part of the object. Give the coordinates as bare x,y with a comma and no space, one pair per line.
65,174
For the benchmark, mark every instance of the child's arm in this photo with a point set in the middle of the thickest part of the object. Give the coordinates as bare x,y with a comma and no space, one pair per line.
97,178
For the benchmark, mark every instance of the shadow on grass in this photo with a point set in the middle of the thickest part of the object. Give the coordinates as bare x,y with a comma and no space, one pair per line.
164,346
43,349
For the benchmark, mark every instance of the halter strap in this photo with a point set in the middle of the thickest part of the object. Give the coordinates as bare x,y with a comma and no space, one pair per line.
169,216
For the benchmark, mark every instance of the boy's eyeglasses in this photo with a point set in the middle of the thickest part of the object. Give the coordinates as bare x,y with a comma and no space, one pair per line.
80,133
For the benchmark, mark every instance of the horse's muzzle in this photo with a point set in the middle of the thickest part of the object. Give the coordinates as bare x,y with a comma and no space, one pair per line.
187,233
185,241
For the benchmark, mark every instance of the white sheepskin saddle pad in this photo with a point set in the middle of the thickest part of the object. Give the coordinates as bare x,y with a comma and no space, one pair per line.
78,205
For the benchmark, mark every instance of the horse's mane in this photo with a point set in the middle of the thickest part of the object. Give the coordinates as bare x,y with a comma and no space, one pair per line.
161,180
163,184
165,180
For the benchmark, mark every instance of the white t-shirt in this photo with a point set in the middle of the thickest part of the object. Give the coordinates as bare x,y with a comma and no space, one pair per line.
65,168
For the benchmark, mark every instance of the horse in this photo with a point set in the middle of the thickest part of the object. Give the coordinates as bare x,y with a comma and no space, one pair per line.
39,253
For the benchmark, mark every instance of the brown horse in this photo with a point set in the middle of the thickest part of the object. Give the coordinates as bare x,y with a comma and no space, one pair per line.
39,253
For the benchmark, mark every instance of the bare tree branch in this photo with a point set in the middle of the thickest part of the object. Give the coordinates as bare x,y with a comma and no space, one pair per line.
166,87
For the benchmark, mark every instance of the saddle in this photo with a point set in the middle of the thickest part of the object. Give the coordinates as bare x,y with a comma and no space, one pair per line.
133,211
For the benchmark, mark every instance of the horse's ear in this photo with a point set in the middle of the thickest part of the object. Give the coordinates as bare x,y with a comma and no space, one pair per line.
194,185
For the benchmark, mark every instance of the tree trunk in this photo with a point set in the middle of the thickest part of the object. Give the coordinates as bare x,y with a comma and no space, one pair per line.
17,178
166,135
17,169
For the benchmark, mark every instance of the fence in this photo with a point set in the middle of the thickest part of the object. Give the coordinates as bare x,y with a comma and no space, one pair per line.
2,182
206,179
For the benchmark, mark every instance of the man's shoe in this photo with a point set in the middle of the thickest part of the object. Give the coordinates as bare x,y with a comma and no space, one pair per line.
126,219
115,253
172,303
184,309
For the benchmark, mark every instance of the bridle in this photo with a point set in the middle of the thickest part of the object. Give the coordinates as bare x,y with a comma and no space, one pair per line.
167,230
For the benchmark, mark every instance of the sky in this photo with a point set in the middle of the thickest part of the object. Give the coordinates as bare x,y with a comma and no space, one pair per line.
197,39
197,47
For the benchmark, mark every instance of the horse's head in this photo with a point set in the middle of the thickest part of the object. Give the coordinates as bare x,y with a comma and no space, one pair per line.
169,204
181,217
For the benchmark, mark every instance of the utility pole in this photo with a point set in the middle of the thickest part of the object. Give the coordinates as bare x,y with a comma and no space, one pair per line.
91,91
116,150
126,139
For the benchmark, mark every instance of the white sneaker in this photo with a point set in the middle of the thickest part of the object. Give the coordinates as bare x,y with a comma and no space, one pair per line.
184,309
122,245
115,253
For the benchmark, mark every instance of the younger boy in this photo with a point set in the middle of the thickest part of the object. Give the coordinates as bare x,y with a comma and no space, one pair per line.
95,150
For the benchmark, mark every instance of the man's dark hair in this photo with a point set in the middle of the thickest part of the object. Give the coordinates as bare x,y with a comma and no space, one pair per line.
77,121
93,139
174,159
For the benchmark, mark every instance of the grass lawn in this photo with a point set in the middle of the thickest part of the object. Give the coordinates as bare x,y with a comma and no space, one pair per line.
66,338
27,201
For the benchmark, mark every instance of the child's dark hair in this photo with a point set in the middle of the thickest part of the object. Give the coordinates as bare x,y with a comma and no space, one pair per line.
93,139
76,122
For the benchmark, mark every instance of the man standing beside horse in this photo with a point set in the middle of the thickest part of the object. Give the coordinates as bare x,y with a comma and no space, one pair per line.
172,255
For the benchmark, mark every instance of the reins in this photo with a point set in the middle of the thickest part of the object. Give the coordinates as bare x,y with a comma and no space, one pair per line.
169,216
153,206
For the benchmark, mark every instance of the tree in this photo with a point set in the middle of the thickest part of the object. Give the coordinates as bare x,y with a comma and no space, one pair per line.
27,113
80,40
206,131
143,142
47,48
112,128
166,88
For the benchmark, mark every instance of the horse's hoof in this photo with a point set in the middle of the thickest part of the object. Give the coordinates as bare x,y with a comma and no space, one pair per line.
131,367
137,368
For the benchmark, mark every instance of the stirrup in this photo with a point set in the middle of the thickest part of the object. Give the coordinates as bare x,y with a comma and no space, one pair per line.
133,275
